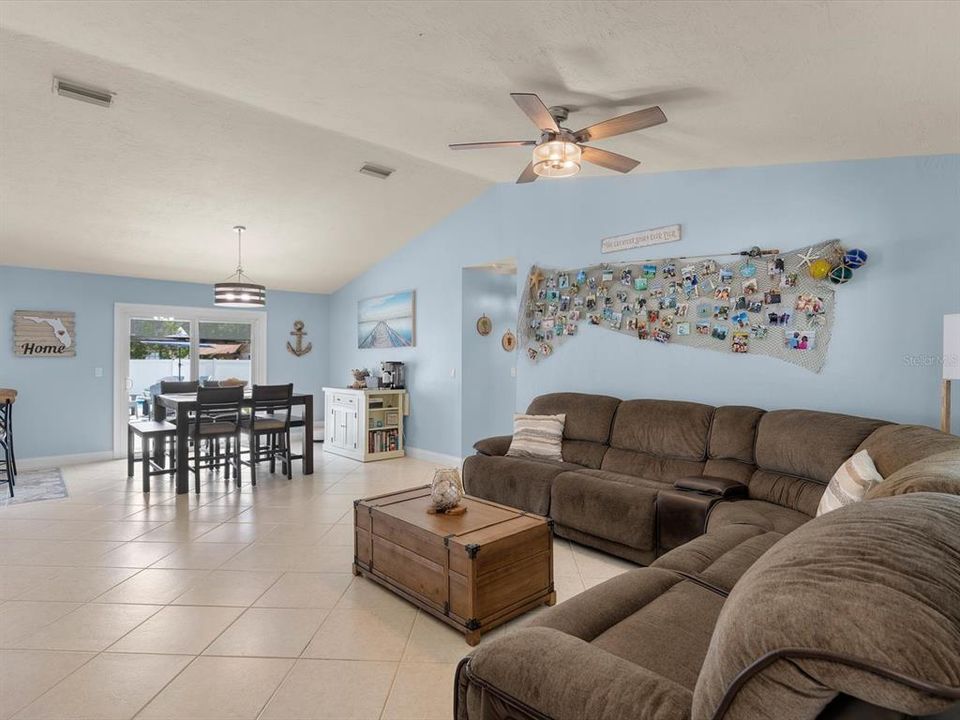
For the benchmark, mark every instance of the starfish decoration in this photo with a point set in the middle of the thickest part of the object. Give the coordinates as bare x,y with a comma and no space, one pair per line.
807,257
536,277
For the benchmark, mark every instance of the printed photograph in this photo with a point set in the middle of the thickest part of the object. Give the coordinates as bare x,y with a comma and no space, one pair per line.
740,342
649,270
719,332
782,319
758,332
642,332
703,328
800,339
639,284
683,328
810,305
771,297
661,336
750,286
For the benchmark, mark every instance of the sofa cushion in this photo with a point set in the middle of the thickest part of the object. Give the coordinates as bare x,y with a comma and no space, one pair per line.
720,557
616,507
893,447
784,638
850,483
937,473
730,469
665,428
789,491
518,482
654,618
588,416
547,673
537,437
809,444
733,433
649,466
758,513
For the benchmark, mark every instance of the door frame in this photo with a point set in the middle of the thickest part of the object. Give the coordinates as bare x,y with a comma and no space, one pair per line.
123,313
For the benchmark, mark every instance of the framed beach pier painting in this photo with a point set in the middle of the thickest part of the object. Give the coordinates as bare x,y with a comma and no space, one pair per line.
386,321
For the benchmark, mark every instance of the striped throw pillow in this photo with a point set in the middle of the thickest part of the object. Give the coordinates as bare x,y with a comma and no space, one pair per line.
850,483
537,436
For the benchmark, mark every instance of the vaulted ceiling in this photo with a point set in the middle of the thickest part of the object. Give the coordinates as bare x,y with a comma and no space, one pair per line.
261,113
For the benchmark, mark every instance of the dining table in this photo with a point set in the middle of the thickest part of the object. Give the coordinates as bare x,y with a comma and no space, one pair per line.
184,405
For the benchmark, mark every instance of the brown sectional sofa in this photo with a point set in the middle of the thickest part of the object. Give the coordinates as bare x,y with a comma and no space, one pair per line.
619,456
762,612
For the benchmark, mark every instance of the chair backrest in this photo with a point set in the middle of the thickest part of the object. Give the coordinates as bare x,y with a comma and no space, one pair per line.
221,403
178,386
272,399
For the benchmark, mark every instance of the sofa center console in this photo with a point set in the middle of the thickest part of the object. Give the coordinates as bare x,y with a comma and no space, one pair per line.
682,510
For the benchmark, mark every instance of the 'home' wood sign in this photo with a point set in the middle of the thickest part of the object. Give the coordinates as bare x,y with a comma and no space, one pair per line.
41,333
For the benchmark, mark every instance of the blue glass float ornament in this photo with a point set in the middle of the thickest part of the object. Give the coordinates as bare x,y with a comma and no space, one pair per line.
854,258
840,275
748,270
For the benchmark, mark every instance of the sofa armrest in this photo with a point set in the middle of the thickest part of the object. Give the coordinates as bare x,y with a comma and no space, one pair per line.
722,487
497,445
565,678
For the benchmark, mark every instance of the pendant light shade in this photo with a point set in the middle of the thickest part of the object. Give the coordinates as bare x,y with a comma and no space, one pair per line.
237,291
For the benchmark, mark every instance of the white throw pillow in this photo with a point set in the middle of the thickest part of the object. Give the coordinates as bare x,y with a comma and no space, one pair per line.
850,483
537,436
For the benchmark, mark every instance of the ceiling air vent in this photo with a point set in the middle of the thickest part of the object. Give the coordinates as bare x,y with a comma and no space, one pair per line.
377,171
79,92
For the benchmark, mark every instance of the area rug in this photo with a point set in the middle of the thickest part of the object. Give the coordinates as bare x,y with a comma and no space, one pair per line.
34,485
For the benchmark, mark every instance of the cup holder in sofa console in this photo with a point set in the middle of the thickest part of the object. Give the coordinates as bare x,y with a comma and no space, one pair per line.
682,510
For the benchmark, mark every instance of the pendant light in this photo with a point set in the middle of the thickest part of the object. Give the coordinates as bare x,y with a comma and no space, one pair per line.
238,291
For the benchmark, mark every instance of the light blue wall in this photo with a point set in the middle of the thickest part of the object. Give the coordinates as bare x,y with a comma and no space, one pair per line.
63,409
488,388
904,211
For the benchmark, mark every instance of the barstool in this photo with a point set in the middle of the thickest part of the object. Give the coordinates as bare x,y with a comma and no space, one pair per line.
149,431
8,396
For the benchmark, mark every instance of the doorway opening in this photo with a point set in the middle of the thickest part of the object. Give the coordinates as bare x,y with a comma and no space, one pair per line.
488,374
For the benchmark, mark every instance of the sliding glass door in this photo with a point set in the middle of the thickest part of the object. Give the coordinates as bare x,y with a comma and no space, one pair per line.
158,343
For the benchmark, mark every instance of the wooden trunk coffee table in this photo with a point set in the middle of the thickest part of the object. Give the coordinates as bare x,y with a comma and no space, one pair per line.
474,571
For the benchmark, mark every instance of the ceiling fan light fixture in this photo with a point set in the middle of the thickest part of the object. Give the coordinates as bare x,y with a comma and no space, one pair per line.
556,158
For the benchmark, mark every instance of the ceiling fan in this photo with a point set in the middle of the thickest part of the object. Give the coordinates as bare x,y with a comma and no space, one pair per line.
559,151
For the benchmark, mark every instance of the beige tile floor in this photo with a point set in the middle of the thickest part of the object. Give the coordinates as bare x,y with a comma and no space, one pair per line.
231,604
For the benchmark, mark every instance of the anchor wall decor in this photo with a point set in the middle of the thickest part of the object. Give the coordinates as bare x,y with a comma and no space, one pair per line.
299,349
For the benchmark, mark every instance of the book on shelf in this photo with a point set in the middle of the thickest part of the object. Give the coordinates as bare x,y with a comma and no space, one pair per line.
380,441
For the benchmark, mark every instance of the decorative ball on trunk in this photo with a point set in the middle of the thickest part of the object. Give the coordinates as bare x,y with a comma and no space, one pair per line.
446,490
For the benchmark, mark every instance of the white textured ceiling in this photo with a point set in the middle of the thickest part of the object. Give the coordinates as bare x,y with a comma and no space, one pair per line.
260,113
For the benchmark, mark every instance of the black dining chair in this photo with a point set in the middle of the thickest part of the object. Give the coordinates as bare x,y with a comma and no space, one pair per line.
175,387
217,419
7,457
269,421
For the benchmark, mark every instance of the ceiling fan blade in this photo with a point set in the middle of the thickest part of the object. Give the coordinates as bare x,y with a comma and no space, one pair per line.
497,144
607,159
528,175
533,106
623,124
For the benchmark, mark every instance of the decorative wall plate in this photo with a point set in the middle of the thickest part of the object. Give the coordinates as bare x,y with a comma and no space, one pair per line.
484,325
509,341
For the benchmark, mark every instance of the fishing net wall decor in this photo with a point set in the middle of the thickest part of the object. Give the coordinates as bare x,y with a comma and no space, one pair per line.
772,303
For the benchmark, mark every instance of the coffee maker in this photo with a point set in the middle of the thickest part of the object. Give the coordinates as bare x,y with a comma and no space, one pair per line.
392,375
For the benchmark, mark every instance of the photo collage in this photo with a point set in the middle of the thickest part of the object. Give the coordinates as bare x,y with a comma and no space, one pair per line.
750,304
